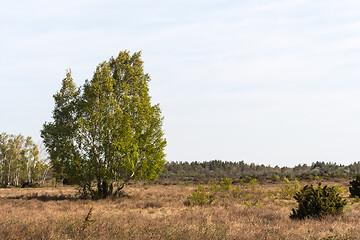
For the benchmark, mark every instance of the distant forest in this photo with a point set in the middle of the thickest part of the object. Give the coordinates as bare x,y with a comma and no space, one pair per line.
221,169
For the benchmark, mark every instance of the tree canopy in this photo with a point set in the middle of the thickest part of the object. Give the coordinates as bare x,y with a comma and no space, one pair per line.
20,161
107,132
221,169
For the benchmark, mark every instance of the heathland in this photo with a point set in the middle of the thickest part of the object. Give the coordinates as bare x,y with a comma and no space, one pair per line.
246,209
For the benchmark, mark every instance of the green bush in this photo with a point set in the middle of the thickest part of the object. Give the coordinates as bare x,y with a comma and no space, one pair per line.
222,185
200,196
249,183
318,202
289,190
225,184
355,187
275,178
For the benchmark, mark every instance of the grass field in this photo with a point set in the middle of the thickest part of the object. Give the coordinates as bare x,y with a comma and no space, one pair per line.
159,212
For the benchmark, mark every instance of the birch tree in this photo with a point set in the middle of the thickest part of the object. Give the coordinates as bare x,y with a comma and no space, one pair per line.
19,161
107,132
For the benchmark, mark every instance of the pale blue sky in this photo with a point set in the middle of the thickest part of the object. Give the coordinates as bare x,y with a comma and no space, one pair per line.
270,82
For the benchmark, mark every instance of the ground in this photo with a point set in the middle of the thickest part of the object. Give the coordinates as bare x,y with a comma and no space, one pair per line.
256,211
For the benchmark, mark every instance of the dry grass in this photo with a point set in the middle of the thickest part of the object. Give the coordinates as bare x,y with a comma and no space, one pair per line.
158,212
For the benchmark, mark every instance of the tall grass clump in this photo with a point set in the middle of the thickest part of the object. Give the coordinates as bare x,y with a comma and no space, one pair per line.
206,195
248,193
317,202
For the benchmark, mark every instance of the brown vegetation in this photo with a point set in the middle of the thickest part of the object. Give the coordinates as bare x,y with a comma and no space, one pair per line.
159,212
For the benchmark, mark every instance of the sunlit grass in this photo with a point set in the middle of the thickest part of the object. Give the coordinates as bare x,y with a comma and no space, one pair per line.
159,212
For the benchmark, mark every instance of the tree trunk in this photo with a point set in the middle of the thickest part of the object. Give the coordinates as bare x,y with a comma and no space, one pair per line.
2,171
8,176
104,189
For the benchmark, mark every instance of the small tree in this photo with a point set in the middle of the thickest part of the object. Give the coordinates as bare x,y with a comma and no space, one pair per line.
355,187
318,202
107,132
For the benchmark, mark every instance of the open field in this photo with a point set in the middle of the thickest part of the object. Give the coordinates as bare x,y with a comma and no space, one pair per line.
159,212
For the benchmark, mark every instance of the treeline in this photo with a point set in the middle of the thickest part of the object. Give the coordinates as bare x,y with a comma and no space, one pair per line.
20,161
22,164
220,169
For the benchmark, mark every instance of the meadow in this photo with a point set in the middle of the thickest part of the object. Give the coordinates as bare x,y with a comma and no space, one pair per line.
162,211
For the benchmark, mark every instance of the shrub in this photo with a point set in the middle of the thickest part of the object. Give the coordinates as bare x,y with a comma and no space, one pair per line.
355,187
275,178
225,184
222,185
318,202
289,190
200,196
249,183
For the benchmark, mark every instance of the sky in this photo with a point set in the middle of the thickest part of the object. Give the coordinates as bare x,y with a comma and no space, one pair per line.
270,82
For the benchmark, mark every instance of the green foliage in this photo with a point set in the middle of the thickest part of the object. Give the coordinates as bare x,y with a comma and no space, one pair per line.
275,178
250,183
355,187
107,132
318,202
223,184
200,196
20,161
219,169
289,190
